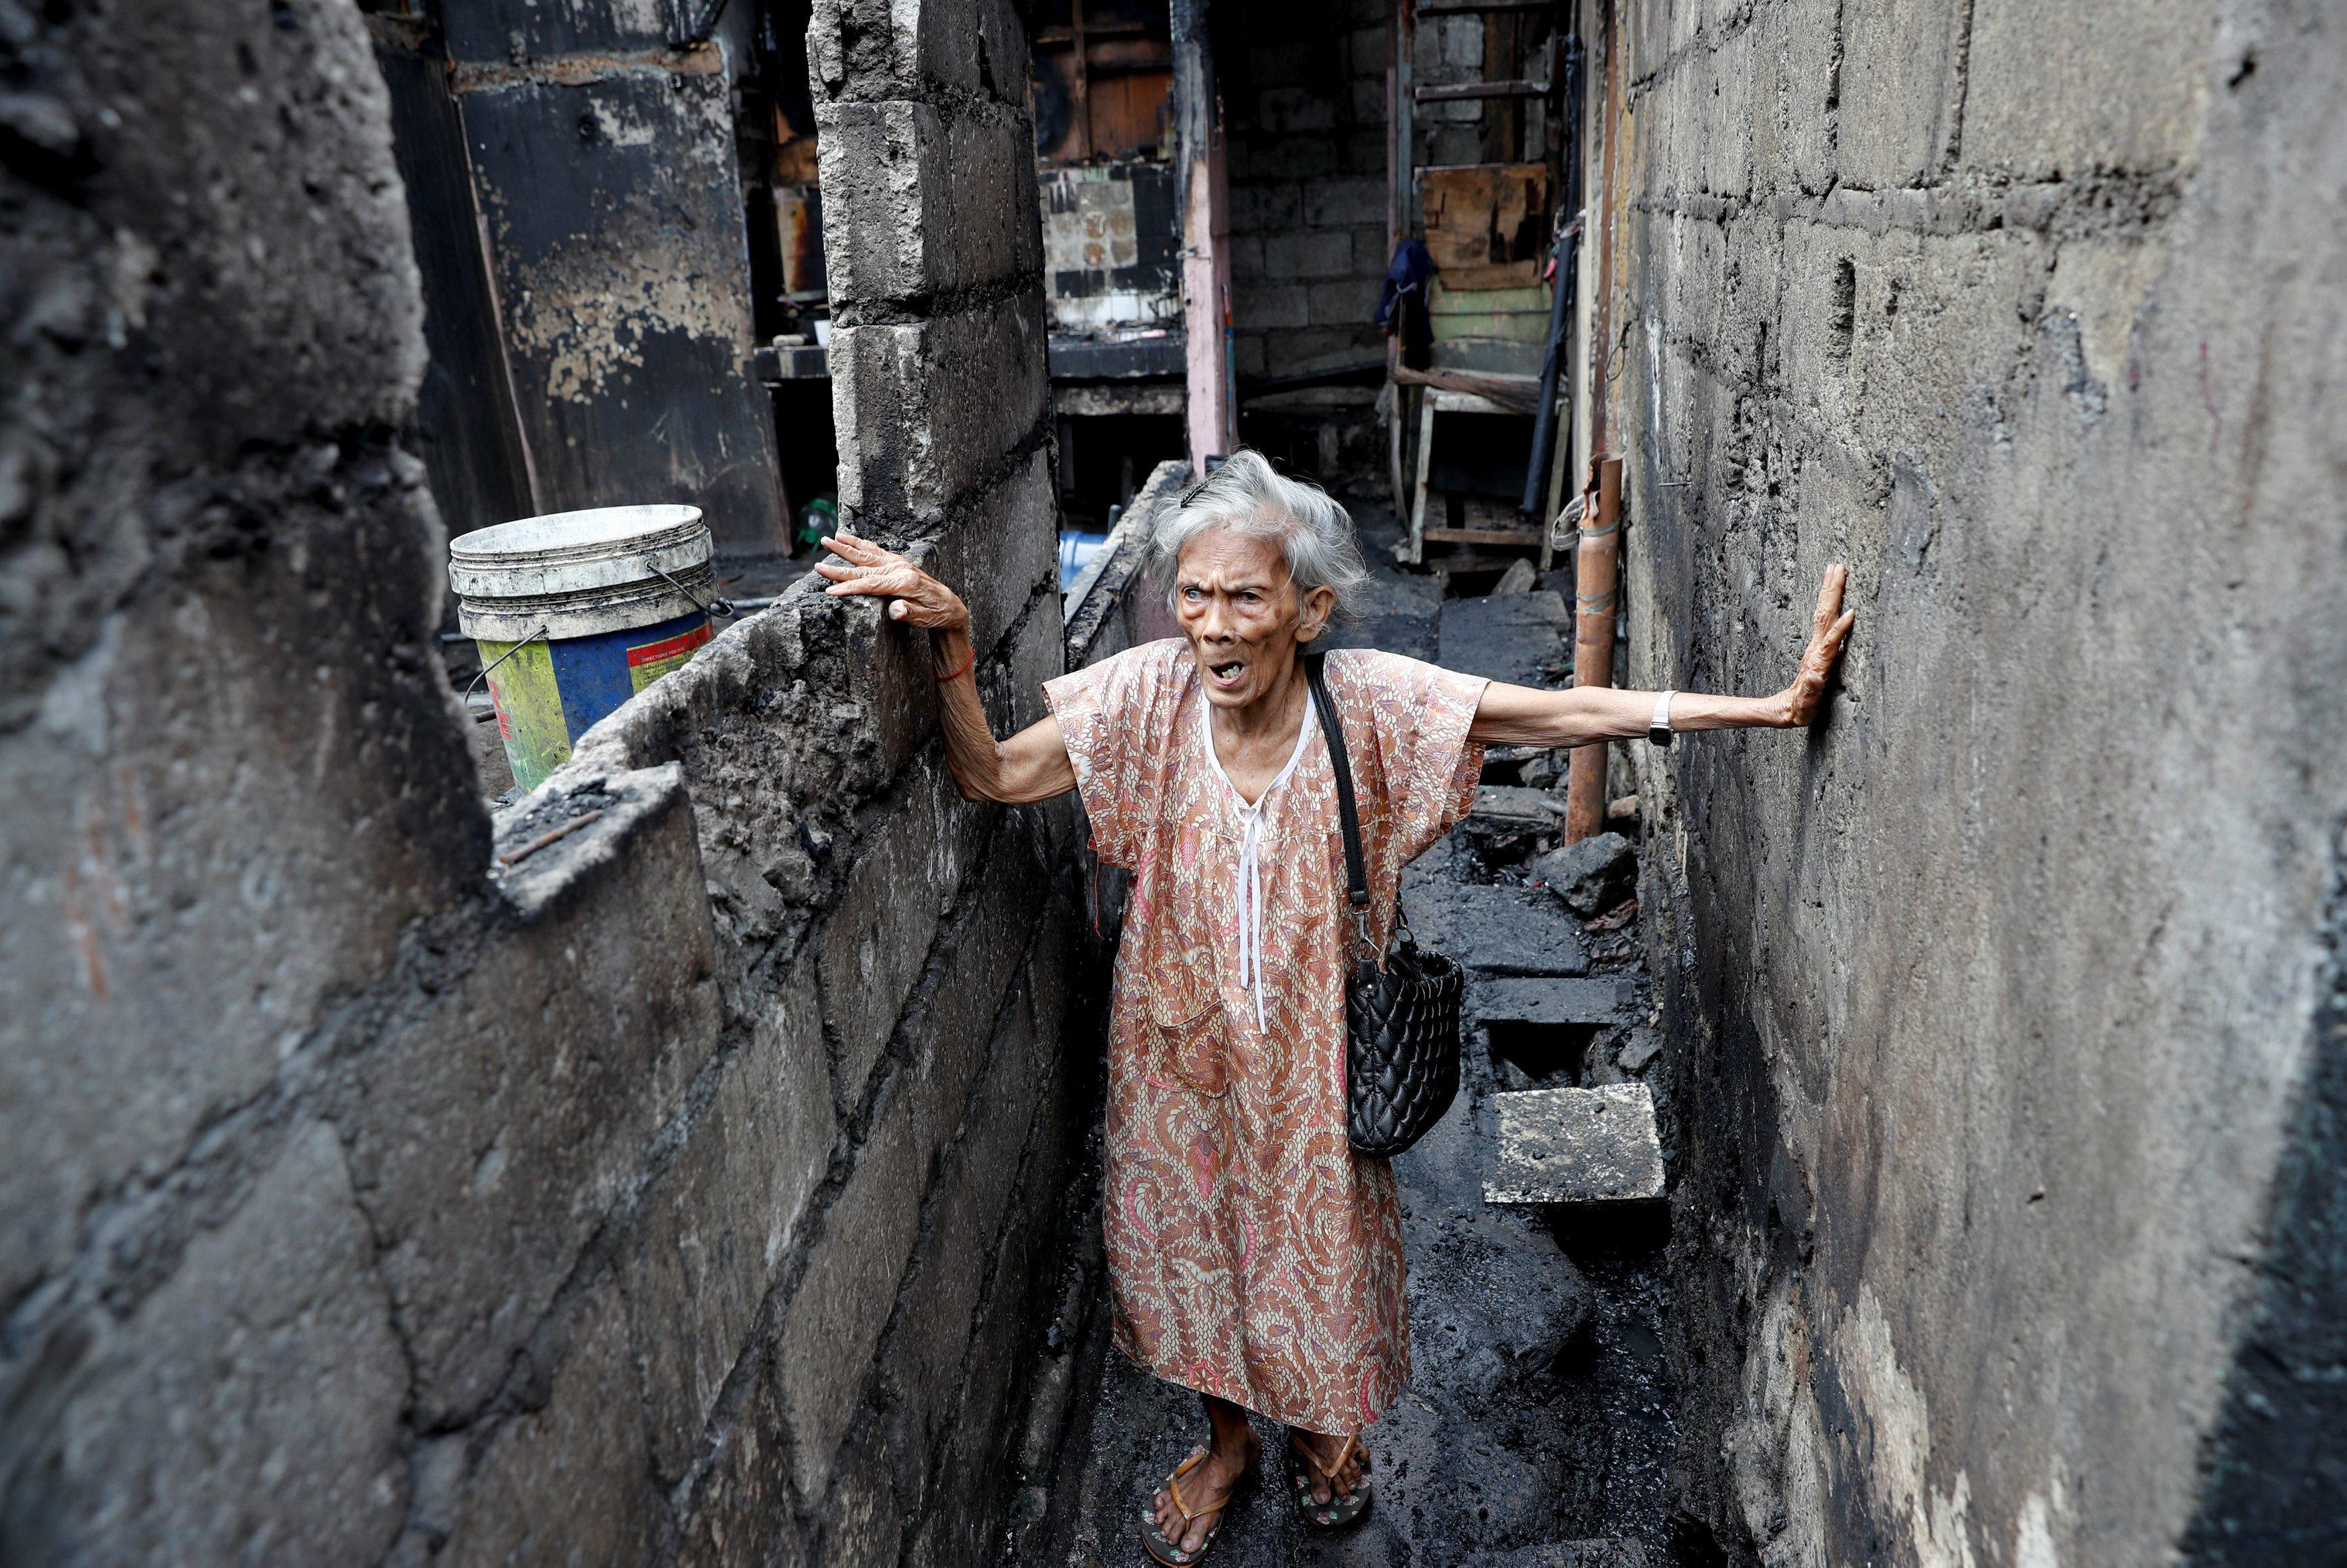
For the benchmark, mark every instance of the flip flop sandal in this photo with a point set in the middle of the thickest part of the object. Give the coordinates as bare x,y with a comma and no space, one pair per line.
1339,1510
1169,1551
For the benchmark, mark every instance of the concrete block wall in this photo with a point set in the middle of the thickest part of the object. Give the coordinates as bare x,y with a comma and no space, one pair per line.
2005,1003
393,1185
1304,89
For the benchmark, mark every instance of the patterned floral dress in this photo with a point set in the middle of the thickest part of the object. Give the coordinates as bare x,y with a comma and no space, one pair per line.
1252,1255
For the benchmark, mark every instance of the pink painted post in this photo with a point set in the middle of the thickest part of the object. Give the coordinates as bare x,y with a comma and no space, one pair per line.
1206,306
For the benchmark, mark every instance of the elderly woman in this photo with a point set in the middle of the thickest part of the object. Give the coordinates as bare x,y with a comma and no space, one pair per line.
1253,1256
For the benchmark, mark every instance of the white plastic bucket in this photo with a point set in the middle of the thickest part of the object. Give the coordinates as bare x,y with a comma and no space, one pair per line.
575,612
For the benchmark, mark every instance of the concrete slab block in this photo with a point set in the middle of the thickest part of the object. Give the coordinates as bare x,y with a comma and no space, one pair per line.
739,1507
1309,253
1594,1000
2059,93
1002,550
1899,85
949,1033
941,1300
1575,1145
1516,808
1496,930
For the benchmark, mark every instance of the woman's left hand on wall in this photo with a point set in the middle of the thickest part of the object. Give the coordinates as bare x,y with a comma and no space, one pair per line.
1829,630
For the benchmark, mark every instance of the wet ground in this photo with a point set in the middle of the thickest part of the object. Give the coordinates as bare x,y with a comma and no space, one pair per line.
1539,1423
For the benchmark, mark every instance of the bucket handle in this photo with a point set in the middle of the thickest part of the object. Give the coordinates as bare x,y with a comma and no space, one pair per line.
500,659
715,607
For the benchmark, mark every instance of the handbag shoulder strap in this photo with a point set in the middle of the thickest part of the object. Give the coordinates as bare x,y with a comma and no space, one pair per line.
1356,875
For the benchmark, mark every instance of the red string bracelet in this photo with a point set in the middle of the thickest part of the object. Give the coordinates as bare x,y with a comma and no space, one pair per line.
946,676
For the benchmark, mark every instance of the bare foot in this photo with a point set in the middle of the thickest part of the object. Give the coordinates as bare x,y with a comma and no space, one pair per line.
1348,1473
1208,1483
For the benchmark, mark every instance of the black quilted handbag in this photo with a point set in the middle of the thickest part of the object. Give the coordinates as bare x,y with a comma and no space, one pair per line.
1401,1017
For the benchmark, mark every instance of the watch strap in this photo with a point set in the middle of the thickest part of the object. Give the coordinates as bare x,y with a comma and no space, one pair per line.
1658,728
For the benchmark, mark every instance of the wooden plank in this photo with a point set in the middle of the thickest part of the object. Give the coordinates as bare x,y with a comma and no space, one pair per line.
1425,459
1484,214
1518,394
1512,538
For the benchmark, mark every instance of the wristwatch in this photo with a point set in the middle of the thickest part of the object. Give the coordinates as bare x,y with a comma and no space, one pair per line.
1658,728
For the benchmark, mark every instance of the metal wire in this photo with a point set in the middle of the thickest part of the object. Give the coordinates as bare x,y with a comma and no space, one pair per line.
500,659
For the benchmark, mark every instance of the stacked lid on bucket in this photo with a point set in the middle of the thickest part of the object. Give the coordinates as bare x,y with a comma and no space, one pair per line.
575,612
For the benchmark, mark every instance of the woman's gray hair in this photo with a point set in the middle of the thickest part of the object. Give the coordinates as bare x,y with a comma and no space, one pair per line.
1249,497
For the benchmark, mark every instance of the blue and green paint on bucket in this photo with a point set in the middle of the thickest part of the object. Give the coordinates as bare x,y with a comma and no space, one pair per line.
551,691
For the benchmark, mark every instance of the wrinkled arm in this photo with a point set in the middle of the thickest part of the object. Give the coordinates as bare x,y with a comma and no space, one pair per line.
1520,716
1032,765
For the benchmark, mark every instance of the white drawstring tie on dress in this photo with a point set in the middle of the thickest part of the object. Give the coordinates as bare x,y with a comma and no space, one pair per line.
1249,881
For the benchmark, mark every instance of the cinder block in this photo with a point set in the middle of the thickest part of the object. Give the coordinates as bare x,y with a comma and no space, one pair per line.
873,945
717,1227
1034,655
2027,115
250,1406
1349,302
1267,205
1050,972
1262,305
1364,151
927,410
1248,353
1598,999
949,1033
876,50
1307,253
824,1352
1246,257
740,1507
863,1520
1291,111
1285,61
1576,1145
978,1451
1899,87
925,1355
565,1483
1368,55
1001,551
499,1119
1342,203
1457,42
920,203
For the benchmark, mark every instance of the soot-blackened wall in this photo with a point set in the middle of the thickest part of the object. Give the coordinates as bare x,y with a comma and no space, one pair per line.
1999,997
685,1189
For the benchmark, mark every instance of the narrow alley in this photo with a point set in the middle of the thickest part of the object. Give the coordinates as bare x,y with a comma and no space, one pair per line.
537,1034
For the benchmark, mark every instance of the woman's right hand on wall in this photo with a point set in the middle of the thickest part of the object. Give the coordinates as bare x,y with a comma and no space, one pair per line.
1829,630
916,599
